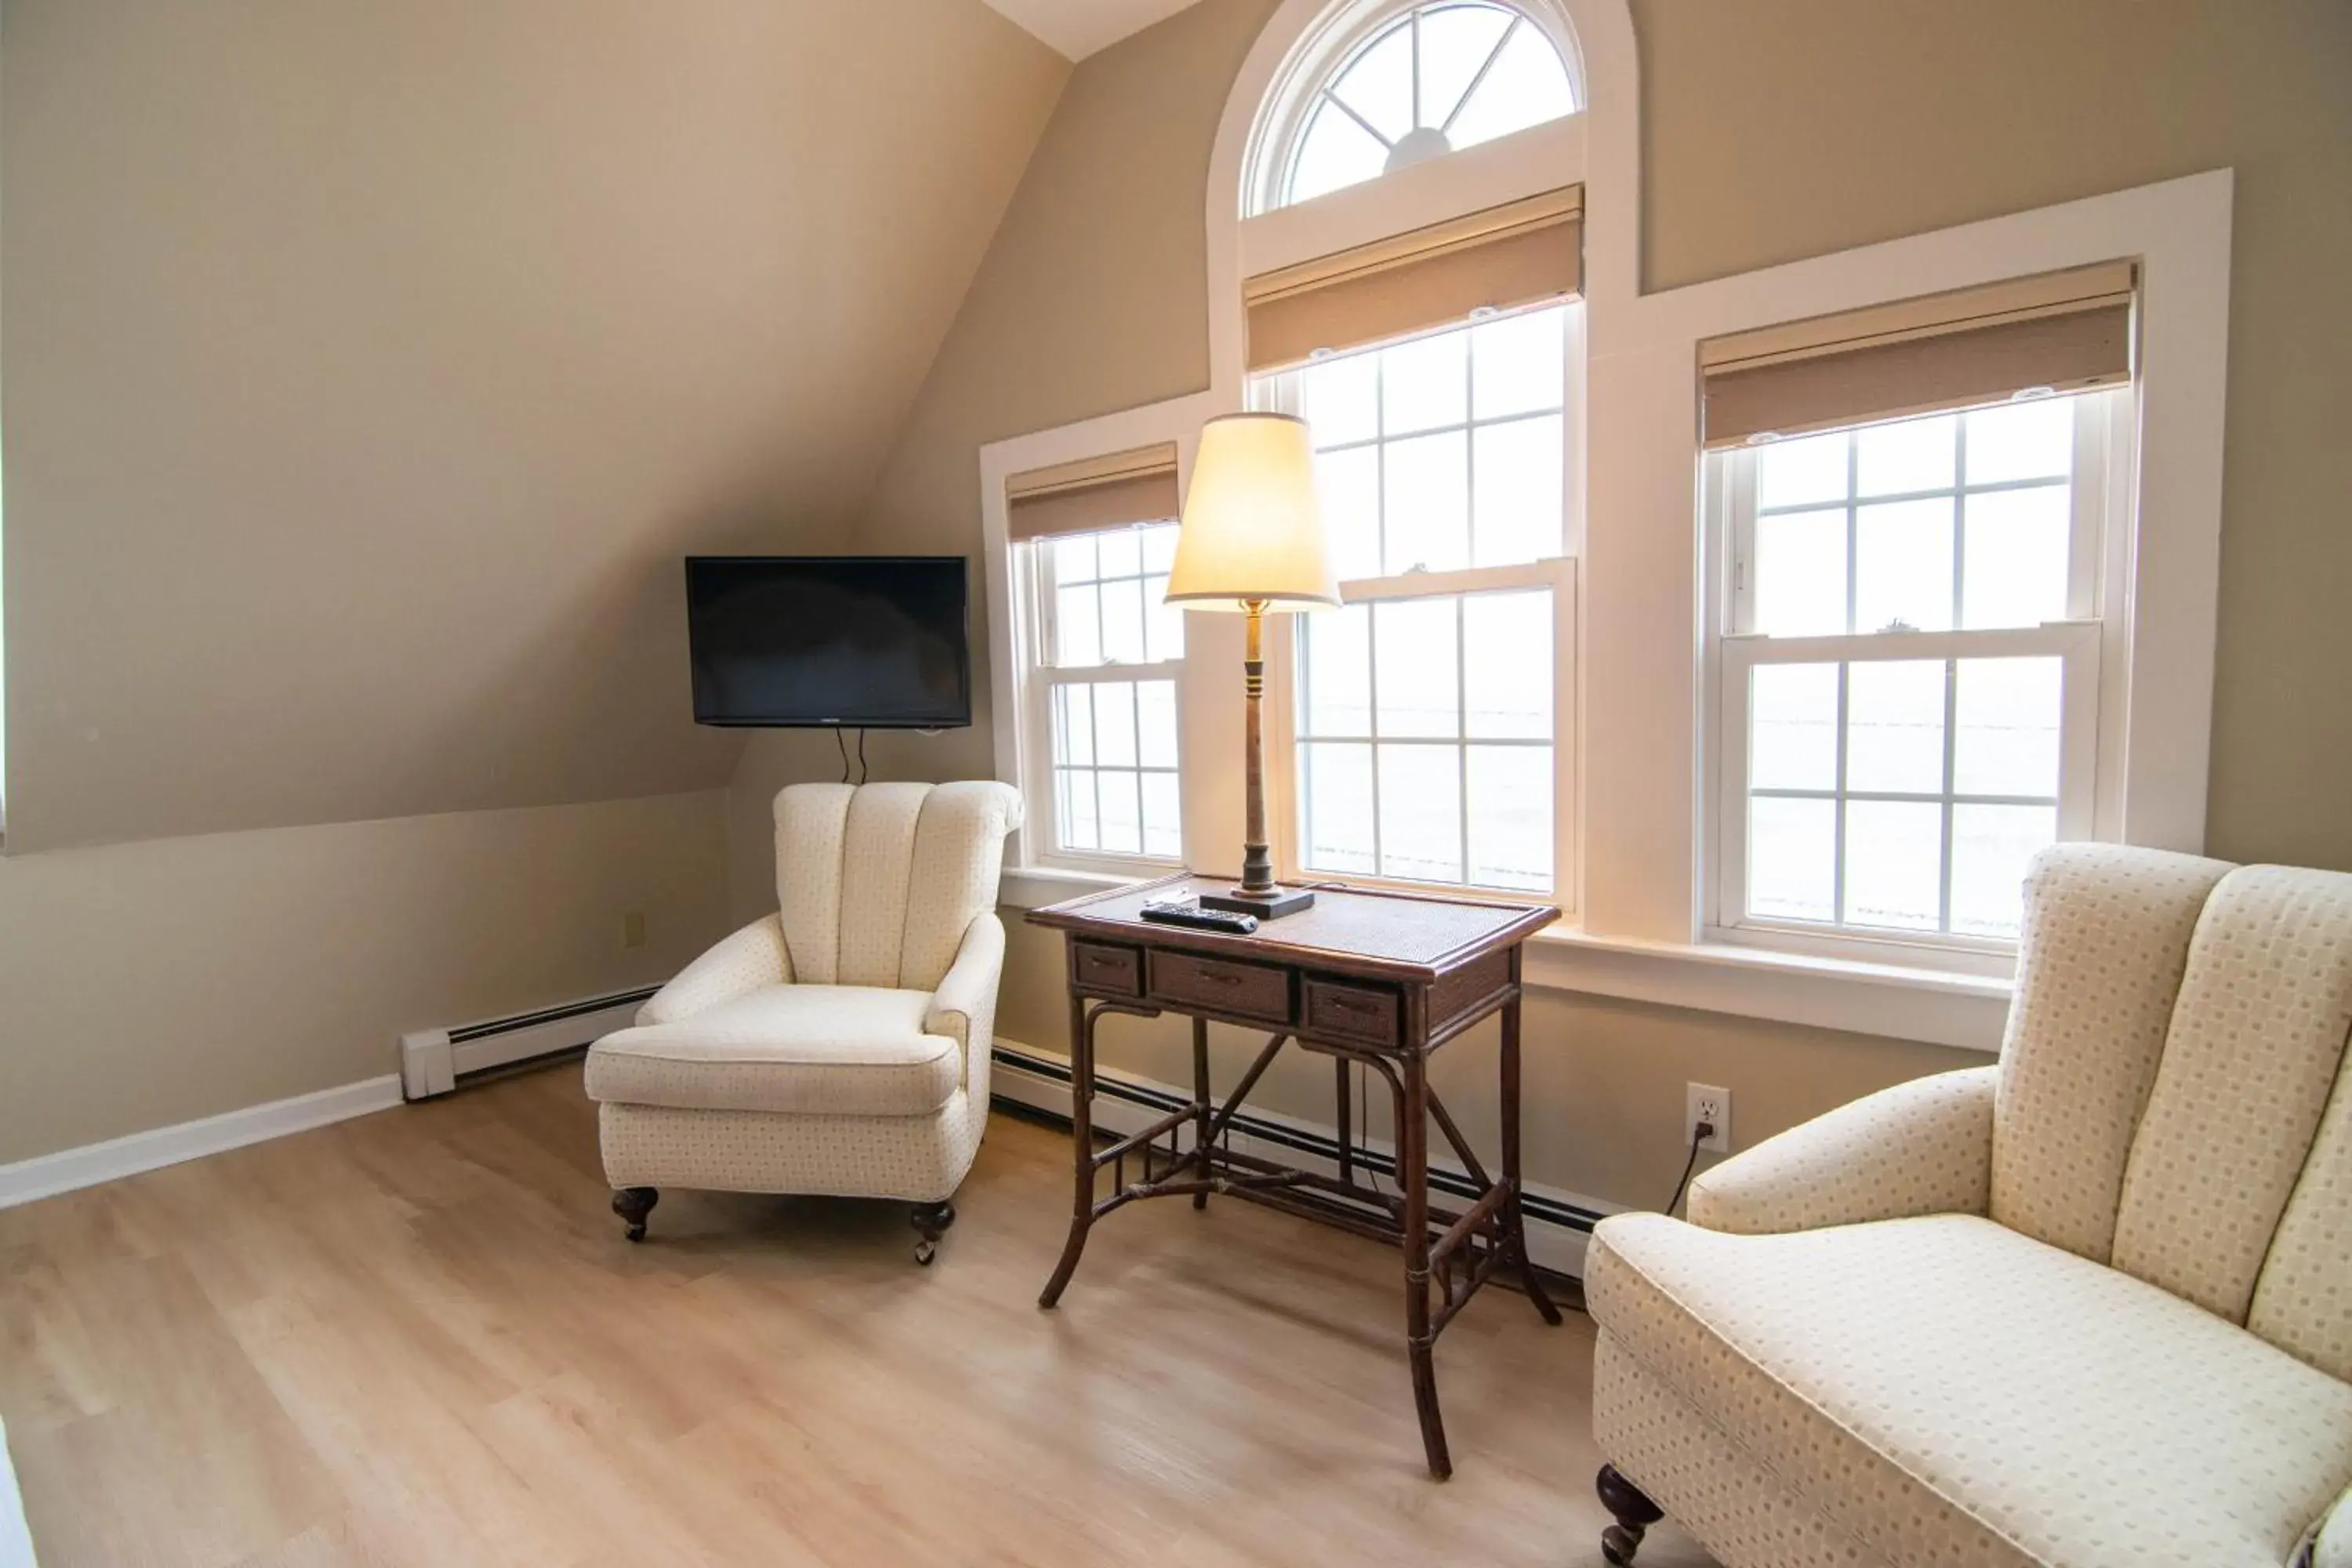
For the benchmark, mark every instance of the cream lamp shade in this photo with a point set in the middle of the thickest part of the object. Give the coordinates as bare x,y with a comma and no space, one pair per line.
1252,529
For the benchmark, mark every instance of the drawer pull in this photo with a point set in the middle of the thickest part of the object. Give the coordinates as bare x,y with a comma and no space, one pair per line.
1346,1004
1105,961
1220,977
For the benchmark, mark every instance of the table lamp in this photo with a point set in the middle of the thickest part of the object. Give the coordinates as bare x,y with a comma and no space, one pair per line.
1252,541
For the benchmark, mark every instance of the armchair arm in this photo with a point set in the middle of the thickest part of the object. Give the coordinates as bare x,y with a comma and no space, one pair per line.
2329,1543
1922,1147
735,966
965,1006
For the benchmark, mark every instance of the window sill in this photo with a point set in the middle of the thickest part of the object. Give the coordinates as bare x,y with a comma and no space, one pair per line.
1966,1011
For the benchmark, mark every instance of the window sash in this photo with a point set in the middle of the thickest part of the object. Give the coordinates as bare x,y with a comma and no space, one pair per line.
1034,610
1286,775
2076,646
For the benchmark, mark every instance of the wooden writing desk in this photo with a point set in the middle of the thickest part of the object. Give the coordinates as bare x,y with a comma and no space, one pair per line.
1376,980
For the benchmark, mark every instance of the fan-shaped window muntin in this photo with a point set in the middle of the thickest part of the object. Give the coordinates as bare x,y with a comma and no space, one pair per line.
1437,78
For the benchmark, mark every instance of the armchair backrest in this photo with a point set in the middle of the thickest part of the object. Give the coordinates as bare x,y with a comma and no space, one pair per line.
878,882
2175,1098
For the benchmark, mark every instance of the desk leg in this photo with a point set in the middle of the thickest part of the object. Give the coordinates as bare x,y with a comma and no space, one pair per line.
1081,1148
1205,1109
1412,1175
1515,1221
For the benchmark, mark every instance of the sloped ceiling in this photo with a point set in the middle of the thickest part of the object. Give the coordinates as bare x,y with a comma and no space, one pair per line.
1081,27
369,364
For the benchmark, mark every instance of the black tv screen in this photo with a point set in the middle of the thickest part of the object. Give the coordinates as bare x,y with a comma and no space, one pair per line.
856,641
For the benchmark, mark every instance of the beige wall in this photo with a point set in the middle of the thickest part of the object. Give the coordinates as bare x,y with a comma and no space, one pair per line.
143,985
1770,133
368,368
1805,126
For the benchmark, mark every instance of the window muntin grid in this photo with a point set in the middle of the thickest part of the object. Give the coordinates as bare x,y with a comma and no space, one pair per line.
1423,739
1911,668
1107,653
1439,78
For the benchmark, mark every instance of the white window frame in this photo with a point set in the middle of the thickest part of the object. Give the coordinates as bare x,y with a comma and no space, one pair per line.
2097,537
1642,790
1325,49
1280,391
1034,608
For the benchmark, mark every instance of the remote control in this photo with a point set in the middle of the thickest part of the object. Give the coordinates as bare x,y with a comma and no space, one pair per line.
1168,912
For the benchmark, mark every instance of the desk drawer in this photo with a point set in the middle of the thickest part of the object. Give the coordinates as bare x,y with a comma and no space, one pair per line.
1251,990
1101,967
1352,1012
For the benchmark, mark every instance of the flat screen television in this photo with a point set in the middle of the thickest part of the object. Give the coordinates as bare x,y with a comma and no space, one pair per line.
874,642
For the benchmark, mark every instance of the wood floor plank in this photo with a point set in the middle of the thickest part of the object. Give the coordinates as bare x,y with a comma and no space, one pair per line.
419,1341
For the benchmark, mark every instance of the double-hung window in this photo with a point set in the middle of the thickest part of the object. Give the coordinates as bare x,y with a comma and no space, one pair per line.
1910,616
1102,656
1424,715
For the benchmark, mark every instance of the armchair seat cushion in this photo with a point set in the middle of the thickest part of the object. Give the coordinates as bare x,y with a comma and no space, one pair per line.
840,1051
1948,1391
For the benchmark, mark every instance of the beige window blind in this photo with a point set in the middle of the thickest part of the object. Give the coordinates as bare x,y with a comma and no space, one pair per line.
1516,253
2066,331
1115,491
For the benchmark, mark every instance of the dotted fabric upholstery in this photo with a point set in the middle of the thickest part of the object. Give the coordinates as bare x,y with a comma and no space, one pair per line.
921,1159
2106,937
811,826
2303,1304
959,856
764,1068
855,1050
1948,1391
878,883
1921,1147
738,965
2332,1546
2257,1040
1746,1515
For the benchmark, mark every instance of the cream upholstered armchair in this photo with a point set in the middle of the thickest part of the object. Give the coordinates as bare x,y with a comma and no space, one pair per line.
2089,1306
840,1046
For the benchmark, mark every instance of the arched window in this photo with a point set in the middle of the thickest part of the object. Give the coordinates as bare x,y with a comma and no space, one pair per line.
1428,736
1418,83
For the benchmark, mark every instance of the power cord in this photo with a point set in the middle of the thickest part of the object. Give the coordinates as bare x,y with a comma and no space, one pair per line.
1700,1133
843,747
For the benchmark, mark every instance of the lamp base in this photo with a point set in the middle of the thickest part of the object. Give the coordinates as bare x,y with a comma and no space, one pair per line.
1271,905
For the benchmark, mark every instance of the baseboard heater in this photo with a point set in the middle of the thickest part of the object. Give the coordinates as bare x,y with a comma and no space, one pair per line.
437,1061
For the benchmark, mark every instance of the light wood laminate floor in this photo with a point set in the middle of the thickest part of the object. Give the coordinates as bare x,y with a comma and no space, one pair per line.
419,1339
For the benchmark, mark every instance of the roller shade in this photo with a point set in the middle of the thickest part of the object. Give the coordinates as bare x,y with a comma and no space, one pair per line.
1516,253
1115,491
2065,331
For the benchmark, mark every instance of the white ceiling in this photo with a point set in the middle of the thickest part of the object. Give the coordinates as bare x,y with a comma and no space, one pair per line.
1079,28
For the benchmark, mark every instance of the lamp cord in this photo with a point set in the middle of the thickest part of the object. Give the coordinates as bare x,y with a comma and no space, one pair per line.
1700,1133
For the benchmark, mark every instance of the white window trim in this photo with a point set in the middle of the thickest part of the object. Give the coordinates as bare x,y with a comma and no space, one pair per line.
1018,721
2099,548
1558,573
1334,32
1034,611
1641,786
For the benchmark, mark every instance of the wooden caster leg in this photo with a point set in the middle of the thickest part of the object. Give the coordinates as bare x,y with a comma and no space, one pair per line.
633,1204
930,1222
1635,1513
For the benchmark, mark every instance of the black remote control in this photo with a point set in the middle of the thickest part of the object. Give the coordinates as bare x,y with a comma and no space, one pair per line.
1168,912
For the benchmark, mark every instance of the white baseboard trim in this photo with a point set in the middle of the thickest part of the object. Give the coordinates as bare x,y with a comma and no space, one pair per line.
46,1175
1557,1221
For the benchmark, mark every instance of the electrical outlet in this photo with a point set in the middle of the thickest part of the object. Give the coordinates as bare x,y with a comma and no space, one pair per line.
633,929
1706,1102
